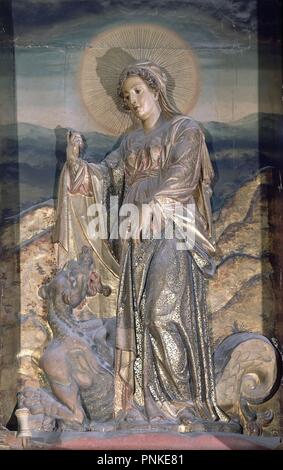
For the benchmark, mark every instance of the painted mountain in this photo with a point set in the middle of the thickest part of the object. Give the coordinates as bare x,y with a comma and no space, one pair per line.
32,157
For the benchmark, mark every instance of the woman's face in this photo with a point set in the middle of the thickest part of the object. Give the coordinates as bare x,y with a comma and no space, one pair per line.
140,99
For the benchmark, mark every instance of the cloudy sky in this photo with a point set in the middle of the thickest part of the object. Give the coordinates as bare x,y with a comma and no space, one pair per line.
51,36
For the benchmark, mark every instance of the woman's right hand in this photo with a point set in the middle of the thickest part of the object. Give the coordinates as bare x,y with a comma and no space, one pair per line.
74,146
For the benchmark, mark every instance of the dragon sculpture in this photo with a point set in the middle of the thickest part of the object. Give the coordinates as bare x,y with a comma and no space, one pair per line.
78,362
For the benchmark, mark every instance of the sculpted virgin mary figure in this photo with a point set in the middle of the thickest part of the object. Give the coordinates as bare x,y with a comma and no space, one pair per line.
163,360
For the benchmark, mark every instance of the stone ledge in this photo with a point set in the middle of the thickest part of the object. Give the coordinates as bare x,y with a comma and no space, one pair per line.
154,441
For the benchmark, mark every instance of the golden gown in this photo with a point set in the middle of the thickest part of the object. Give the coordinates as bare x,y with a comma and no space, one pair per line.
163,359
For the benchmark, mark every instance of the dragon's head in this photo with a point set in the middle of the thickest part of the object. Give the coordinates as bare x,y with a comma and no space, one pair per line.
76,281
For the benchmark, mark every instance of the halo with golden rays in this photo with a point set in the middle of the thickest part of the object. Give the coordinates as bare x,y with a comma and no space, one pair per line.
113,50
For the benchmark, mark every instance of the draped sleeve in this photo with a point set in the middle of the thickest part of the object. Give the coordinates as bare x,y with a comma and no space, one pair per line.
78,193
185,180
180,174
97,179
